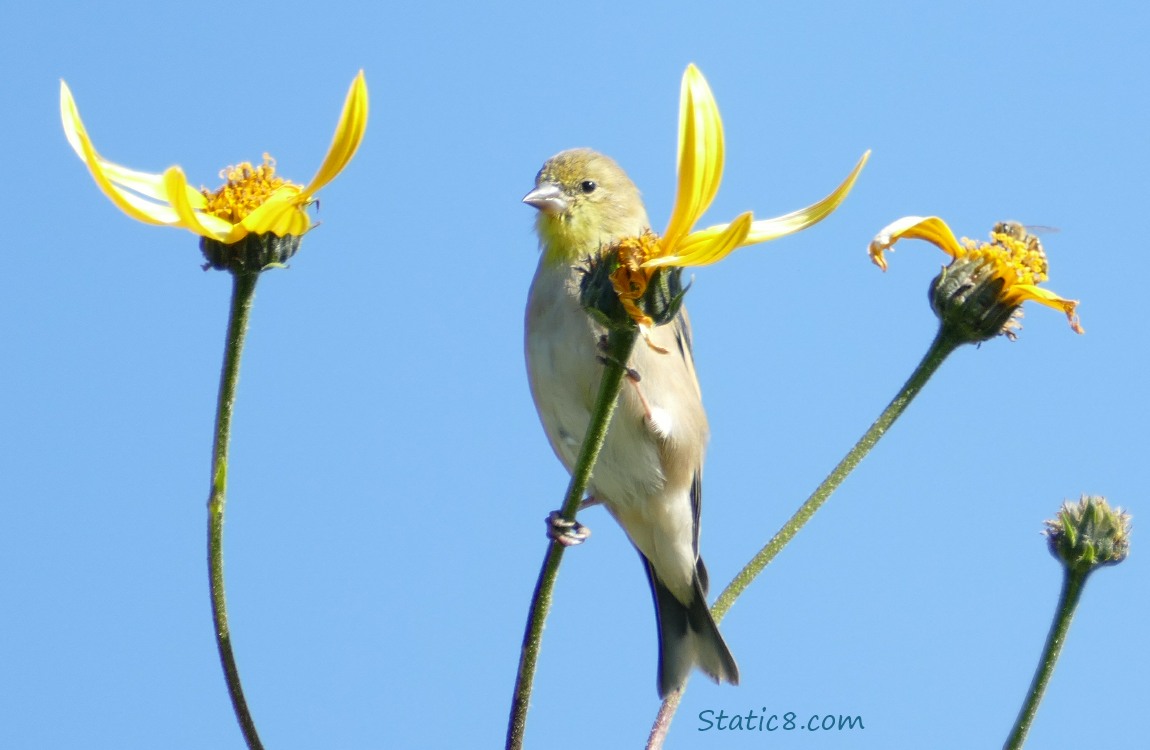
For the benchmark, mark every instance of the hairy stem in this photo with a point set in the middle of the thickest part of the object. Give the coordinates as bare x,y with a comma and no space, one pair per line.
619,345
243,291
942,346
1072,584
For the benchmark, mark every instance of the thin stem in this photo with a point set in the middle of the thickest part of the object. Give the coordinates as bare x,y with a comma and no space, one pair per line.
942,346
1072,584
243,291
939,350
619,345
662,723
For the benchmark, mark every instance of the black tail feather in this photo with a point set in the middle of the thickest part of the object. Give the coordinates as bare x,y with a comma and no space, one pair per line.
688,636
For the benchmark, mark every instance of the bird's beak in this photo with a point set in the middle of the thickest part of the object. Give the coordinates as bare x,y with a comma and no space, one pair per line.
548,198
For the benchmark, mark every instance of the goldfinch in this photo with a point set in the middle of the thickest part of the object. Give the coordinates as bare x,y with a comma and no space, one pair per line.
649,474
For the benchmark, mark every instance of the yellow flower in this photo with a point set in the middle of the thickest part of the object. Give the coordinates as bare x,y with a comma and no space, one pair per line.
700,168
254,200
1014,259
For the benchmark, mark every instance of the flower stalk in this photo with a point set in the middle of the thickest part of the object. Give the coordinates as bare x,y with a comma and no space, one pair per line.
943,345
1073,582
618,351
1084,537
976,298
243,292
255,221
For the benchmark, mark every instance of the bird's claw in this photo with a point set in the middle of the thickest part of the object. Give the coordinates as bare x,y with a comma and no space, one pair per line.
567,533
654,420
631,373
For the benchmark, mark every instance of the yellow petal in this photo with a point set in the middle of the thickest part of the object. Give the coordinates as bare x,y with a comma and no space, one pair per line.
348,135
770,229
1046,297
119,183
931,228
700,161
281,214
709,245
131,204
205,225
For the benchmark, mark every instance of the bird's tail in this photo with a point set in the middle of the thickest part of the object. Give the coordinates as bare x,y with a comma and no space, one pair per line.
688,636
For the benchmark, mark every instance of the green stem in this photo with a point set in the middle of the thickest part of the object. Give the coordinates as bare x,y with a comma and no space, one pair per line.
943,345
939,350
619,345
662,723
1072,584
243,291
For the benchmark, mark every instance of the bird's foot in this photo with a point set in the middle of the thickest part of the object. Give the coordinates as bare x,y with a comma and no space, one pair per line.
567,533
631,373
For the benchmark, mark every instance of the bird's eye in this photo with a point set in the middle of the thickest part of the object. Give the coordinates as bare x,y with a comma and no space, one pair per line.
588,186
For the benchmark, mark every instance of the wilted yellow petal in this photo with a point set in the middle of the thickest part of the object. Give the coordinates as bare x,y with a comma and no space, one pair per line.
700,162
1046,297
770,229
709,245
205,225
931,228
348,135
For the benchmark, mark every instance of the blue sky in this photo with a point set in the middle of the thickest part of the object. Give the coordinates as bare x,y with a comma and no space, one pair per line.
389,476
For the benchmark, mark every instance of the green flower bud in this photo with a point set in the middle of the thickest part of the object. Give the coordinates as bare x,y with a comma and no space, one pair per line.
1089,534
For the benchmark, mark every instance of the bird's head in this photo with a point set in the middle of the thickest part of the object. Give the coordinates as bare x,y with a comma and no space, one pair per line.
586,203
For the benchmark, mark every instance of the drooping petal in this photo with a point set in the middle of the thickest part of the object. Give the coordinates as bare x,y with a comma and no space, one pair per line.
700,160
931,228
205,225
147,184
1024,292
694,246
281,214
764,230
348,135
709,245
141,195
133,205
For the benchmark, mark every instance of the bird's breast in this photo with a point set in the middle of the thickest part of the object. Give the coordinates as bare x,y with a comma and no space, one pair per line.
640,455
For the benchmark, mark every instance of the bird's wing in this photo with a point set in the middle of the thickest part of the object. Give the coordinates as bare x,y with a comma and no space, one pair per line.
682,330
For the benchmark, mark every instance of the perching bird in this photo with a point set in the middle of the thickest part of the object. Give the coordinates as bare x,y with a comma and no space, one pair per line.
650,469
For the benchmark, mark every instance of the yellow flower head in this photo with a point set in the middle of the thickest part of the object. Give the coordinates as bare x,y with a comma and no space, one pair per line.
700,168
1013,261
253,201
